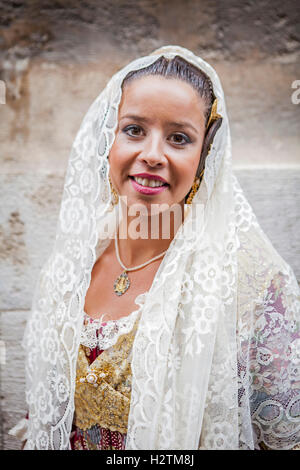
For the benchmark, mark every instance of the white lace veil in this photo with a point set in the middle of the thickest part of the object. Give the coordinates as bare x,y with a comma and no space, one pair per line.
216,358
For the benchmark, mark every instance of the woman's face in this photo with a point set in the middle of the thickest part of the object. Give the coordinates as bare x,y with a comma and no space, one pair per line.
160,133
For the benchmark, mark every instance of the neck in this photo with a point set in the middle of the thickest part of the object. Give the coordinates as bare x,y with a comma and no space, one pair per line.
142,236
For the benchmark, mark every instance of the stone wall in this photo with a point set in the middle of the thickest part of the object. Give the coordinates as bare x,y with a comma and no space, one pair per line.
55,57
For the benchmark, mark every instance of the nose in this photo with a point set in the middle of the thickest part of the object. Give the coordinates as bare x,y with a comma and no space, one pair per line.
153,151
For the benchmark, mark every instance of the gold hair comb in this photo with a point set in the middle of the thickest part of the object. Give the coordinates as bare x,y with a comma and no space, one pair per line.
213,113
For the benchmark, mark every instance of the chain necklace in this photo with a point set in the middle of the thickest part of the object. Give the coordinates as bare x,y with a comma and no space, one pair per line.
122,283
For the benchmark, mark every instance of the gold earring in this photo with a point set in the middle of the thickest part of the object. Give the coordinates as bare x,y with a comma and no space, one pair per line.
194,187
115,196
193,190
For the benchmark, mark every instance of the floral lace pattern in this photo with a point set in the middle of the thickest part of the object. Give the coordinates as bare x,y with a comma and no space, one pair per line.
104,334
268,351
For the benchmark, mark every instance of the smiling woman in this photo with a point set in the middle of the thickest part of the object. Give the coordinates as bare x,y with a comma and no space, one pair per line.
184,341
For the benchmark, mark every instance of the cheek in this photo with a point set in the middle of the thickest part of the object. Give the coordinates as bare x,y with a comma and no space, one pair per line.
117,157
122,150
187,168
114,164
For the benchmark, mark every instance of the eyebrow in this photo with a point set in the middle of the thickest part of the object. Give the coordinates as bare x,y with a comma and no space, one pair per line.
141,119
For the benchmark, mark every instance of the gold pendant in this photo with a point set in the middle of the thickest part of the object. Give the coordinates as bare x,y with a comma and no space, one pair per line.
122,284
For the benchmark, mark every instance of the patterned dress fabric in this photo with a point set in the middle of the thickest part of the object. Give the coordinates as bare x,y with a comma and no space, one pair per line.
103,384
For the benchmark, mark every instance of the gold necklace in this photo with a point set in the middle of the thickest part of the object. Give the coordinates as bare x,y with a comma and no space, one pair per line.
122,283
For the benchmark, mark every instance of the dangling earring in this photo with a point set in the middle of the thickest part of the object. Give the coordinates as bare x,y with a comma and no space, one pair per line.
193,190
194,187
115,196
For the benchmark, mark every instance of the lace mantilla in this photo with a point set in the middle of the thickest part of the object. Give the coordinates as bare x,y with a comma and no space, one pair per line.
105,334
221,294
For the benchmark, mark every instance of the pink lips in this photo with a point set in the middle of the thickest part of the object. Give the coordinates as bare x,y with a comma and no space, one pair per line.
146,189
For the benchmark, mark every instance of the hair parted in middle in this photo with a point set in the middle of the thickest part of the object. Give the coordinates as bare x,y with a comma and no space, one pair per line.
182,70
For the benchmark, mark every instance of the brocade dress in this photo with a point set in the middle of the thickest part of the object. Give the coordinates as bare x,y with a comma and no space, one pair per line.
103,382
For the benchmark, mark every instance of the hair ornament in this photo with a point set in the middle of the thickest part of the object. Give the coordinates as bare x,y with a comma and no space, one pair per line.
213,113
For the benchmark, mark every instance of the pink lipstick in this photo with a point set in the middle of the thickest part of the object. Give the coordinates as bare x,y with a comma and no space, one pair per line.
148,190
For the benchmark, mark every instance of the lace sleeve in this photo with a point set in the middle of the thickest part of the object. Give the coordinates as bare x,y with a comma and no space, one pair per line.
273,362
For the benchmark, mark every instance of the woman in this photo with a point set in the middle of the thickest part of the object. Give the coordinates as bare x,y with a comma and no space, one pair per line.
210,358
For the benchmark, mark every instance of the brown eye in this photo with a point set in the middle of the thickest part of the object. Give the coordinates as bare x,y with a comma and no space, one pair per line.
180,139
133,130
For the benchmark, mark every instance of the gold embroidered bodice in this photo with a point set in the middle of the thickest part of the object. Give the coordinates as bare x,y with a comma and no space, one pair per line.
103,388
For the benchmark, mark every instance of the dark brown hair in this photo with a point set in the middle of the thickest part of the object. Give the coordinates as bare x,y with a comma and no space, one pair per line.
180,69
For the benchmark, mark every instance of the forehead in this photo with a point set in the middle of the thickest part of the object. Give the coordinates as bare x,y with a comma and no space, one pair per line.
161,96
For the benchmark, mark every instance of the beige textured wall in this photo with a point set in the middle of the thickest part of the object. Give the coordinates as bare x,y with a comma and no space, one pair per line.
56,56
